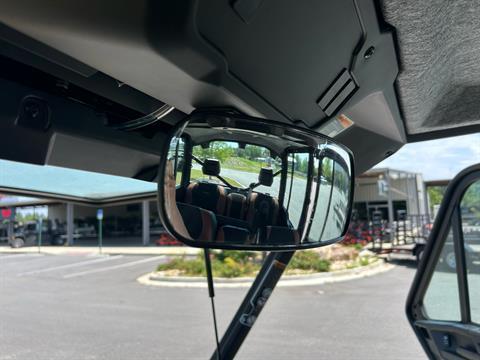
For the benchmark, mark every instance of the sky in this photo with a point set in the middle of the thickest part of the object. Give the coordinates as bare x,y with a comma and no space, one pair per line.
437,159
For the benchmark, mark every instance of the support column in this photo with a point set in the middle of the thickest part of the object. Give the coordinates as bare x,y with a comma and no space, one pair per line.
69,224
145,222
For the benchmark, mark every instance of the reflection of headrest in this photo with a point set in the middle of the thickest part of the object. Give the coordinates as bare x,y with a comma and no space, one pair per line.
211,167
265,177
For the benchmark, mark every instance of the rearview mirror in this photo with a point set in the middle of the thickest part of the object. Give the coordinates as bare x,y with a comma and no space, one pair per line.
236,182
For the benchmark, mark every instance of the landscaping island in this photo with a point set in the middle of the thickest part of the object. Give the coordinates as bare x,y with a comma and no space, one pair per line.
245,264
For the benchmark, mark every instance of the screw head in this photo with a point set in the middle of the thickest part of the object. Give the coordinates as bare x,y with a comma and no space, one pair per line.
32,110
388,153
369,52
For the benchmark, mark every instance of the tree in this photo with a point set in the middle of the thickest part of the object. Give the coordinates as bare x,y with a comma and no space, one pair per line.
435,195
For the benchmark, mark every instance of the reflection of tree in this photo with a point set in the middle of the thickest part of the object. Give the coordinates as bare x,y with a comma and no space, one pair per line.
222,150
301,163
327,168
249,159
218,150
341,179
253,152
471,200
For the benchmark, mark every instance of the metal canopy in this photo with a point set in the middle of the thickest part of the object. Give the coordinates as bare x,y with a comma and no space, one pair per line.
68,184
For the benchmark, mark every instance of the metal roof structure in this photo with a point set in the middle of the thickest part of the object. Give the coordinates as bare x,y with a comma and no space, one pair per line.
61,184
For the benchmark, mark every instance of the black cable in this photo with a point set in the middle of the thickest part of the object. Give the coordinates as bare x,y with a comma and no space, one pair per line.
216,329
146,120
211,294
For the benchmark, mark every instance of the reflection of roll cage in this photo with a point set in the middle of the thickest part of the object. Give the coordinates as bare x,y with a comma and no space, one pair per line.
254,224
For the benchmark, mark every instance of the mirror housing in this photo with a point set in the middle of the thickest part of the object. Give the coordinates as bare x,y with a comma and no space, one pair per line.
300,190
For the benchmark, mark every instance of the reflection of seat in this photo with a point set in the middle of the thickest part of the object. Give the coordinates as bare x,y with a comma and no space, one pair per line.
280,235
233,234
201,224
207,195
236,206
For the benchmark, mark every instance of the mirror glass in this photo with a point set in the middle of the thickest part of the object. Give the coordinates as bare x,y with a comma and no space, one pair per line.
243,183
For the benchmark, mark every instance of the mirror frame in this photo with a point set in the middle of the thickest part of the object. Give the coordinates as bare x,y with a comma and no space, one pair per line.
202,115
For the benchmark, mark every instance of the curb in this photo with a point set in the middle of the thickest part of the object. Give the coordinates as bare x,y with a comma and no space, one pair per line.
378,267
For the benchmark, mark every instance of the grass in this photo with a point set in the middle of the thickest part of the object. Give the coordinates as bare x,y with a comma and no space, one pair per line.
360,261
197,174
226,264
309,261
242,164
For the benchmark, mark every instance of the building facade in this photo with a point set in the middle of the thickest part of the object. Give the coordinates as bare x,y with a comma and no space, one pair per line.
384,193
390,193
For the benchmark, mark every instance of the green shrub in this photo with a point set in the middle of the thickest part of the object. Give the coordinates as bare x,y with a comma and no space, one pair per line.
309,260
238,256
358,246
224,264
229,263
193,267
364,261
231,268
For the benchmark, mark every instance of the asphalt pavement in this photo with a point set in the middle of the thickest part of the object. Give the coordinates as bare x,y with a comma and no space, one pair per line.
92,307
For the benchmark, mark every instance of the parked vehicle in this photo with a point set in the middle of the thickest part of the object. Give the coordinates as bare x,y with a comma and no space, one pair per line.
28,234
84,230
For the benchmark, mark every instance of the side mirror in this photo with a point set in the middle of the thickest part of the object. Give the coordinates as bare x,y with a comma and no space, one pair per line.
443,306
258,185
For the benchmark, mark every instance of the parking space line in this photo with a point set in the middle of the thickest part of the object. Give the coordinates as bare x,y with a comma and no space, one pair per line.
68,266
114,267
